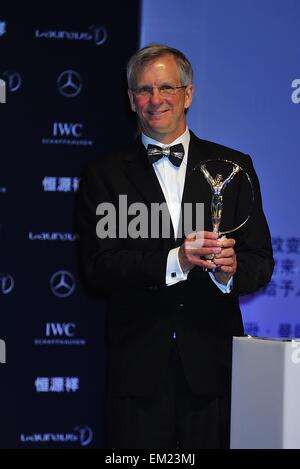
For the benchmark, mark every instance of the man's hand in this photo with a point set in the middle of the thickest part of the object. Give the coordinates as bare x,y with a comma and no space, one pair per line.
204,243
196,246
226,261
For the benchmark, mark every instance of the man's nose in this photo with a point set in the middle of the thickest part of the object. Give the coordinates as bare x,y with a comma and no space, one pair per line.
155,96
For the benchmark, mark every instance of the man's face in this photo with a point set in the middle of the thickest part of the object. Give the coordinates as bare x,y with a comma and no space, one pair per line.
161,118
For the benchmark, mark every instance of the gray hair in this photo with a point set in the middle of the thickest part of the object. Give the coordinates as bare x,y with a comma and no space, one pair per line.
152,52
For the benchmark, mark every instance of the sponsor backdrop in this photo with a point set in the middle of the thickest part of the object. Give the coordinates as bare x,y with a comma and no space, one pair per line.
247,77
64,71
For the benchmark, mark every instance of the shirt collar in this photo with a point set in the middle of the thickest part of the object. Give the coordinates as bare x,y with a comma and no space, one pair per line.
184,139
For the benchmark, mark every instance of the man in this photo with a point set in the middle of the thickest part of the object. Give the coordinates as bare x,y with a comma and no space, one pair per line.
172,311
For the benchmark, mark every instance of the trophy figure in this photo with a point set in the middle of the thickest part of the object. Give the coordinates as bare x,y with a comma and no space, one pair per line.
218,186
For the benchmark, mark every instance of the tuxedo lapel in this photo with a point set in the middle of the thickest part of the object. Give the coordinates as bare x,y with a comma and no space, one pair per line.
195,186
142,175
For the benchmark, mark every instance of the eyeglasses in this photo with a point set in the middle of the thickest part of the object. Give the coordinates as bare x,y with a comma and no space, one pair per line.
164,90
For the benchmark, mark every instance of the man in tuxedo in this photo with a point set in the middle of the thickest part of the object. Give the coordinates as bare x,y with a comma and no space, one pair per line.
172,310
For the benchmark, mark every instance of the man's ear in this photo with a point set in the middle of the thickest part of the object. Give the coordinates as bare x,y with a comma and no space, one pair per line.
189,91
131,99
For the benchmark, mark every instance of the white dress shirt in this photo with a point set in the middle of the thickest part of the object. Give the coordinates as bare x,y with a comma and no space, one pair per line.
171,179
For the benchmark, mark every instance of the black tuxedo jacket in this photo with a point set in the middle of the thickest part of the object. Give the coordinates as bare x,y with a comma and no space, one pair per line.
143,312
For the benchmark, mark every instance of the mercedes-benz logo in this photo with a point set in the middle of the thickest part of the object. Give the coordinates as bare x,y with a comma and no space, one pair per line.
13,80
62,283
69,83
7,283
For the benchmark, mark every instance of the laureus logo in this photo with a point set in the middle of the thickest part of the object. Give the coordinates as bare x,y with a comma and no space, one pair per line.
13,80
95,33
7,283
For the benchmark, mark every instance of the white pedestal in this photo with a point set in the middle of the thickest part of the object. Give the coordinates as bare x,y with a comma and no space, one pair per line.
265,402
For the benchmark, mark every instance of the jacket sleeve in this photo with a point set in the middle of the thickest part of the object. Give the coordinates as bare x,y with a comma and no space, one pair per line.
108,263
255,262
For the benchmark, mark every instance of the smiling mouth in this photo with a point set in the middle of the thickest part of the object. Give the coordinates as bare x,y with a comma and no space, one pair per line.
157,113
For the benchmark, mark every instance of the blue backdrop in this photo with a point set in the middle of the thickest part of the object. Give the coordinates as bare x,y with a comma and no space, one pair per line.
246,61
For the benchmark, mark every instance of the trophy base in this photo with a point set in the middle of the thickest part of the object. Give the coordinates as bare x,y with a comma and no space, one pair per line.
216,269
